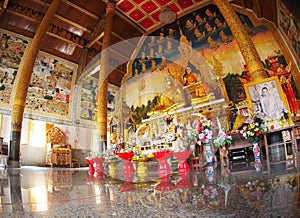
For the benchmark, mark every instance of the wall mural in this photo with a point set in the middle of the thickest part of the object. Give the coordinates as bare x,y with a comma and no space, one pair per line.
88,100
290,27
51,87
12,49
206,32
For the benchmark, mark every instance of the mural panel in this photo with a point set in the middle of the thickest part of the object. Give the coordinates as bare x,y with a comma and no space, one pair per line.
12,49
290,27
88,100
213,54
51,87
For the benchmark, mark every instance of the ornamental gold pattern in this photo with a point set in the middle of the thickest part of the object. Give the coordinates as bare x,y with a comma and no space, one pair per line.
101,122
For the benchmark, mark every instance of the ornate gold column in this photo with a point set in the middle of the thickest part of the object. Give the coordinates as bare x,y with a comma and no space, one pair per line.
103,79
244,42
23,84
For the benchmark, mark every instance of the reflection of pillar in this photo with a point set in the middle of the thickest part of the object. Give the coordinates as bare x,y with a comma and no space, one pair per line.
103,80
244,42
23,84
16,193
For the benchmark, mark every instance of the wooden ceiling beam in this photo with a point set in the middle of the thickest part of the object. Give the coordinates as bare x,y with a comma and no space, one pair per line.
94,40
81,9
72,23
41,2
64,39
98,31
3,8
4,5
24,16
18,30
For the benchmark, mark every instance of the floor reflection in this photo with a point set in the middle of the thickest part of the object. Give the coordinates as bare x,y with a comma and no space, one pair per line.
211,191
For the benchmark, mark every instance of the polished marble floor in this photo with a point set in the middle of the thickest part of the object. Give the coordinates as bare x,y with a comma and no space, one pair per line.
208,191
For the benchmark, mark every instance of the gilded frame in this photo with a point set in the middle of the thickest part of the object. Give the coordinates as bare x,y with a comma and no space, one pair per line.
266,98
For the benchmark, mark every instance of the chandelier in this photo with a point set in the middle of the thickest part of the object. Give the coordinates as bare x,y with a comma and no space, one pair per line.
167,15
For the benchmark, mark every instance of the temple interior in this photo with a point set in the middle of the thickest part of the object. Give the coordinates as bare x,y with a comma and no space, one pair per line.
137,108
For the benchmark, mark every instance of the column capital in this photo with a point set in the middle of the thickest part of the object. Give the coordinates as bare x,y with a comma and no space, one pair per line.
110,7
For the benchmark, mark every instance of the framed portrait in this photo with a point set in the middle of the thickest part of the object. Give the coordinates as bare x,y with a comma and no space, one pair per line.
266,97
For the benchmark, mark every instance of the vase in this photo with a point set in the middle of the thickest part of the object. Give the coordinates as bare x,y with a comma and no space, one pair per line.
256,150
210,174
164,170
208,153
91,169
258,165
127,170
183,165
99,166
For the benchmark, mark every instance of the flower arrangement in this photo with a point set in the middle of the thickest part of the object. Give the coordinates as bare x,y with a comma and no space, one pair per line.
252,129
208,195
257,187
222,140
284,114
284,120
205,129
92,155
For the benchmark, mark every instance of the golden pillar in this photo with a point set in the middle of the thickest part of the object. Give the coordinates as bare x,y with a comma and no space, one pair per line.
243,39
23,84
103,79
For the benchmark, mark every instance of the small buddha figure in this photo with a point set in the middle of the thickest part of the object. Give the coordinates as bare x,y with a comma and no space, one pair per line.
209,28
136,72
144,69
153,65
151,54
171,33
189,77
225,39
169,47
152,41
163,62
143,57
159,50
212,43
190,24
219,23
199,34
199,19
210,14
161,38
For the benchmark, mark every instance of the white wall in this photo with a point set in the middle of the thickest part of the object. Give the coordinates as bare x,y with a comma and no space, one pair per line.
33,152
